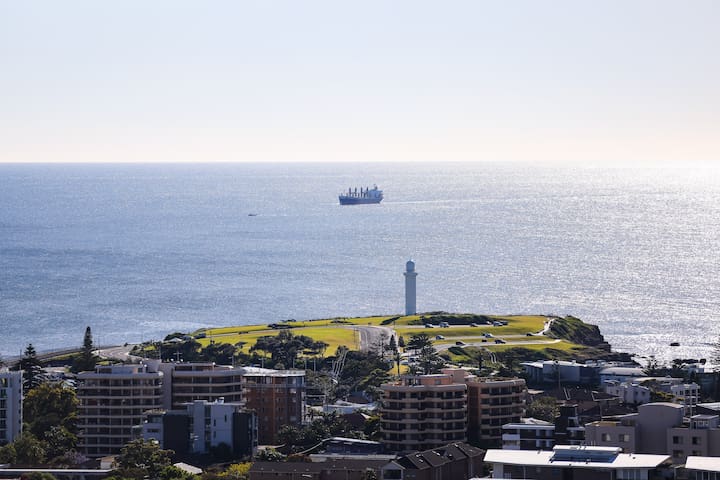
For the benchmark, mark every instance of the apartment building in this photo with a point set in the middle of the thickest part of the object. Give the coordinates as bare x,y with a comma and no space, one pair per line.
528,434
687,395
628,392
492,403
113,400
533,434
660,428
11,402
202,426
422,412
642,432
186,382
554,372
277,396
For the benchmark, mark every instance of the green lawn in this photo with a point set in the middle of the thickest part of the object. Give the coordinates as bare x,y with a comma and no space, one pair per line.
337,331
334,336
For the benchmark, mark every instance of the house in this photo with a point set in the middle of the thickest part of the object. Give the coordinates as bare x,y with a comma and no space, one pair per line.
702,468
578,462
453,461
343,469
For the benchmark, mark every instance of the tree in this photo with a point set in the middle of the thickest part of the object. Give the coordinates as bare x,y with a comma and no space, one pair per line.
392,345
30,450
429,361
188,350
141,459
418,341
237,471
285,347
87,359
48,405
372,427
369,474
37,476
171,472
401,341
59,444
362,371
8,454
543,408
269,455
32,369
70,458
221,353
379,347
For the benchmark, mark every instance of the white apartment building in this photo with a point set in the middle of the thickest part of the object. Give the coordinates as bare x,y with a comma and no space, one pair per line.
687,395
203,425
11,400
628,392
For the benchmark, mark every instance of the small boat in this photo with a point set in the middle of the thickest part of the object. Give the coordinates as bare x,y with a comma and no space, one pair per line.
364,196
252,214
674,344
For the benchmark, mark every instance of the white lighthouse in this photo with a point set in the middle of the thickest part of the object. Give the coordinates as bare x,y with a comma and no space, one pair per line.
410,292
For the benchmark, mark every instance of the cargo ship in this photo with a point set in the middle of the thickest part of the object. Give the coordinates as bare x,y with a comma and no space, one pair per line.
365,195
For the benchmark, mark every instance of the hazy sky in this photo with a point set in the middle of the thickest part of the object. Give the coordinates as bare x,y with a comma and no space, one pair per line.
368,80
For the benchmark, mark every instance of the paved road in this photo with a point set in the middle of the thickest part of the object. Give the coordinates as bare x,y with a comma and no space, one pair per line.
490,343
369,336
121,353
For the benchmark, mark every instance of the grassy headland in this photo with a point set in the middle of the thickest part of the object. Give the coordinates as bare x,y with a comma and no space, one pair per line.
507,336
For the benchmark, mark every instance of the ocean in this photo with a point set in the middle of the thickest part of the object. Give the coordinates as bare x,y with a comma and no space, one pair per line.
140,251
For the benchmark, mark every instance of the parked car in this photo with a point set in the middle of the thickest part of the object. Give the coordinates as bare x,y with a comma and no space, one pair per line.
529,334
439,337
500,340
429,325
444,325
487,335
473,324
460,343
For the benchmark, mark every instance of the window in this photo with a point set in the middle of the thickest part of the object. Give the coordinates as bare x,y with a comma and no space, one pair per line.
677,440
696,440
624,437
605,437
630,474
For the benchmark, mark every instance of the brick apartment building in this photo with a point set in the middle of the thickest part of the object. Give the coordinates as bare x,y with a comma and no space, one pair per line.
277,396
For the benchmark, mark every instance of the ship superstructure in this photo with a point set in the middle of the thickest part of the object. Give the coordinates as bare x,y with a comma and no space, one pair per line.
365,195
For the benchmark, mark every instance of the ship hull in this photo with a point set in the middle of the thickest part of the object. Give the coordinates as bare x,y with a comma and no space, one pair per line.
358,200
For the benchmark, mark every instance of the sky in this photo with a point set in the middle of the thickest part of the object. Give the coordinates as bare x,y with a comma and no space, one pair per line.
332,81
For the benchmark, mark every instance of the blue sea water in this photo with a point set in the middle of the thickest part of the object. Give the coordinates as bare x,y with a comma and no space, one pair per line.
139,251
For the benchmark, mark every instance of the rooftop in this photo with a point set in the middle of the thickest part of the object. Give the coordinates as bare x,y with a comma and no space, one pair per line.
708,464
573,456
